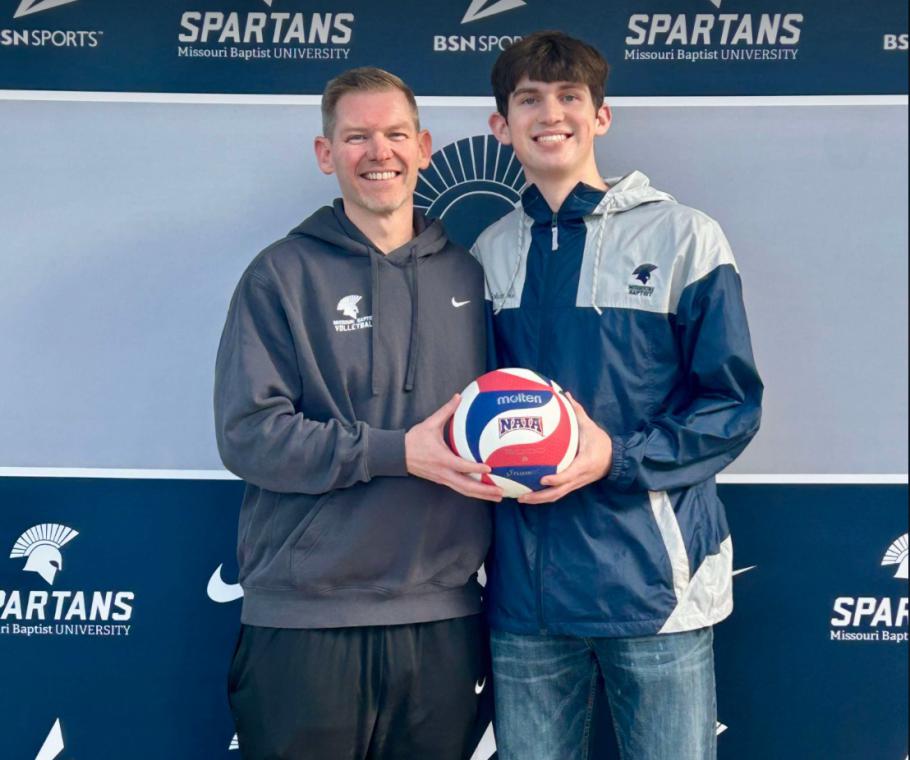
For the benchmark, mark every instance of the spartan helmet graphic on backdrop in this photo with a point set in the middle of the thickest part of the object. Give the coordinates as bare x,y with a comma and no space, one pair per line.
41,546
897,555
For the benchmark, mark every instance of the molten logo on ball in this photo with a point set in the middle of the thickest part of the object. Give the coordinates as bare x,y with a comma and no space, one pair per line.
541,439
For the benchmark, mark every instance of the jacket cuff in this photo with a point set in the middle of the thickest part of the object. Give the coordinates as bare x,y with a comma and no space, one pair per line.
615,475
385,453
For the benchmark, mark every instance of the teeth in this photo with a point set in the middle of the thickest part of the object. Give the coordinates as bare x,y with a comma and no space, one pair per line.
552,138
380,175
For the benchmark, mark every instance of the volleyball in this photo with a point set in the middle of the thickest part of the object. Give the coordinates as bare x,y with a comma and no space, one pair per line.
520,424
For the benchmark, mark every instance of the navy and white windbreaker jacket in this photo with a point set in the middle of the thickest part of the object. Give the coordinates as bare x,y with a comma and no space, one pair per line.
633,303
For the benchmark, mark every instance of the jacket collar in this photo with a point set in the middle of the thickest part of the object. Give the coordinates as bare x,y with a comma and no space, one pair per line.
578,204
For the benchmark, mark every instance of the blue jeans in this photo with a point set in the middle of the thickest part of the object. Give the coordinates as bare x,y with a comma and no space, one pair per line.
660,691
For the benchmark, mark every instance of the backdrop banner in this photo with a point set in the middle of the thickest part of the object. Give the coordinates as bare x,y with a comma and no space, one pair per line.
122,636
126,226
677,47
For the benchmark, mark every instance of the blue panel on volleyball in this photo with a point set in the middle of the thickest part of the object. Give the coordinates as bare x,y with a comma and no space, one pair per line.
488,404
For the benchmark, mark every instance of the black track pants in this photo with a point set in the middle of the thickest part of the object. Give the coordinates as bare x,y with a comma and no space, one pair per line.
406,692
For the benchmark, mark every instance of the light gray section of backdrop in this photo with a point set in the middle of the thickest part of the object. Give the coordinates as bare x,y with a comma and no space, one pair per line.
126,226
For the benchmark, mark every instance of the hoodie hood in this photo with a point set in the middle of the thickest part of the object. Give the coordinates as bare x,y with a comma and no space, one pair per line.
630,191
623,194
331,225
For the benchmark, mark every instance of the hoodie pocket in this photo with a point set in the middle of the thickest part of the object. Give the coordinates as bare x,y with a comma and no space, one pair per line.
392,536
276,524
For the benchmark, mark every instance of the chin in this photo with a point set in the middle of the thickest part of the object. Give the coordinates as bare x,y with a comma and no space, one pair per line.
383,205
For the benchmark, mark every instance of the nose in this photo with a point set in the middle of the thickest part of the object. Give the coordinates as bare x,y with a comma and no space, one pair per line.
550,110
380,148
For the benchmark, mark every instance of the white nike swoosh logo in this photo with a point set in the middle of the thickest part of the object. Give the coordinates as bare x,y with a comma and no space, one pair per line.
459,304
222,592
744,569
478,687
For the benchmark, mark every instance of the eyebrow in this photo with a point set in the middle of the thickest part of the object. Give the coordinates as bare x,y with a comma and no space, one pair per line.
402,125
561,87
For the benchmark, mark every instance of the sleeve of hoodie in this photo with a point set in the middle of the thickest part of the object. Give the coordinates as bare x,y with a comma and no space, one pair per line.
718,410
262,437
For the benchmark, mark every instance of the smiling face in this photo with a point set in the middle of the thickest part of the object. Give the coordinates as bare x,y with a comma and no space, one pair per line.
552,126
376,151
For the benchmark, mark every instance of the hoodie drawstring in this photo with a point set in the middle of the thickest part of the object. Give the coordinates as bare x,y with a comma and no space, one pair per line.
413,345
501,301
374,338
598,250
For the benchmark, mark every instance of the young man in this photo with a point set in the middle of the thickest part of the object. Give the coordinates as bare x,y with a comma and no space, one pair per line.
361,635
616,571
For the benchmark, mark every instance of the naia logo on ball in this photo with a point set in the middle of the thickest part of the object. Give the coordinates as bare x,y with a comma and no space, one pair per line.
517,422
508,424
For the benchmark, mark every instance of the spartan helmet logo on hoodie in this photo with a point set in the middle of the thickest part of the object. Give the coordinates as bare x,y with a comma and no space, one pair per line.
41,544
348,306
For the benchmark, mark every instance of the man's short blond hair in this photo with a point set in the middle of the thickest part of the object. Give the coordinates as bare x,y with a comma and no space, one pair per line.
362,79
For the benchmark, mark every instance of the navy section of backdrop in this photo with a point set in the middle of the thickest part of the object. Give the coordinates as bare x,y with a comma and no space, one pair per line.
811,664
677,47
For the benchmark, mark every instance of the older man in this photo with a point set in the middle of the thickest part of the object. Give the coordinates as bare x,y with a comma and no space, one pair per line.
360,534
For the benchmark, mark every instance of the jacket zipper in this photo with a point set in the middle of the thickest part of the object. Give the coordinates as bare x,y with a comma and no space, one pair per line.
544,512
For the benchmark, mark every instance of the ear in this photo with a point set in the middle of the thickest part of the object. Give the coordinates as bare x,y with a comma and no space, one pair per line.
603,119
323,147
424,148
499,126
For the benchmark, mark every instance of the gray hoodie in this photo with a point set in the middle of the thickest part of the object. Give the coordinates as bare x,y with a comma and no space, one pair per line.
330,352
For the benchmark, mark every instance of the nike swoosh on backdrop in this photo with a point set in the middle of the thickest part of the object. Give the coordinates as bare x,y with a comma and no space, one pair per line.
459,304
222,592
744,569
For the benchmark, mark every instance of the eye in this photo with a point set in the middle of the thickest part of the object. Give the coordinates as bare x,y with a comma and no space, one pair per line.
355,139
398,136
570,96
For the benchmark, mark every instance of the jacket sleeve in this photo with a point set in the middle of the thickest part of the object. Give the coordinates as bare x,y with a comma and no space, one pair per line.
262,435
717,408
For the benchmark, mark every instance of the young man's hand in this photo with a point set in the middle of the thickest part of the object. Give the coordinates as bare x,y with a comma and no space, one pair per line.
428,457
595,455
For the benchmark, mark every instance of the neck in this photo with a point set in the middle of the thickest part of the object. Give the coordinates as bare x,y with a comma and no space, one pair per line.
388,231
556,188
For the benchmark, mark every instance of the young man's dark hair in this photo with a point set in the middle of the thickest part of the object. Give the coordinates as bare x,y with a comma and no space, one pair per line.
549,56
